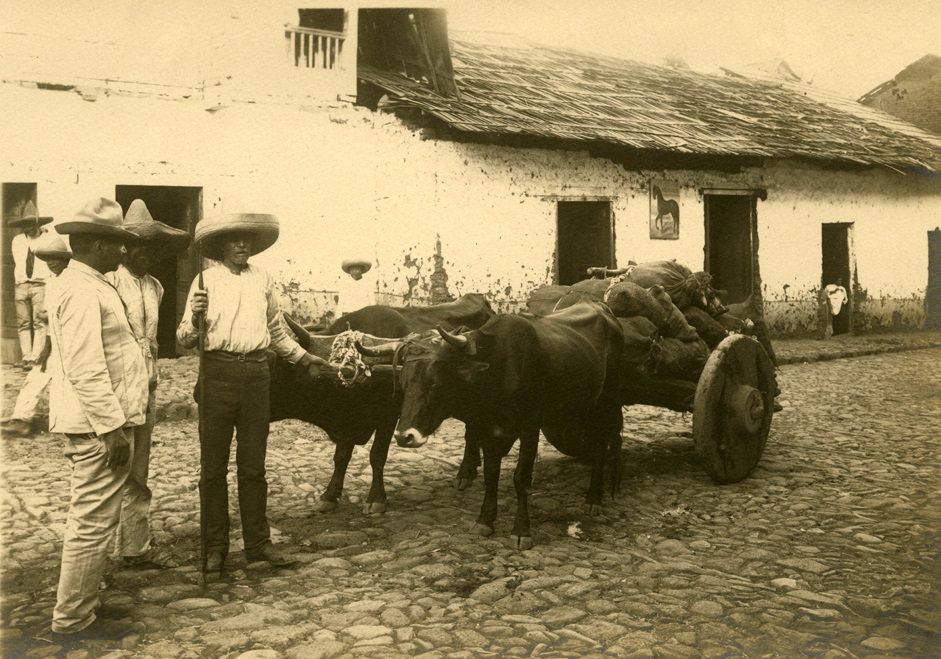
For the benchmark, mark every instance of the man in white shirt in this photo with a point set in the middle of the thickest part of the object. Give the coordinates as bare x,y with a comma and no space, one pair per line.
29,276
243,319
355,290
55,253
142,293
97,395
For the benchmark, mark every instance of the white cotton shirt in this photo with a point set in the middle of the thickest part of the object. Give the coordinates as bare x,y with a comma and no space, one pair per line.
141,297
244,314
99,379
355,294
20,247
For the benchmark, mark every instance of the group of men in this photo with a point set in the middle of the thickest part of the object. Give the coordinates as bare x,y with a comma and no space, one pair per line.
102,315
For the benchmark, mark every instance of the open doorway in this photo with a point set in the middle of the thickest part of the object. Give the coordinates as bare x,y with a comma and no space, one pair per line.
731,246
179,207
933,292
15,196
585,239
836,274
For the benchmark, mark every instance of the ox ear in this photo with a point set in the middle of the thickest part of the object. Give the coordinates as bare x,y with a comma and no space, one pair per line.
466,369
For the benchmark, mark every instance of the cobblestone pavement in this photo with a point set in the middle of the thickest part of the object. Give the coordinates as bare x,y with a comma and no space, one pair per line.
829,549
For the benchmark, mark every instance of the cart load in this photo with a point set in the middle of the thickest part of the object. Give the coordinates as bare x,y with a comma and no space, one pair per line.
685,350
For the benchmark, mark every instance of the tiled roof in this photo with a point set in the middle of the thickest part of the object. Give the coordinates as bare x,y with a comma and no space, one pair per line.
552,93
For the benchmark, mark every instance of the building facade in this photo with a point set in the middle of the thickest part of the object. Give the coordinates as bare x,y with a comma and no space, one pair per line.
350,167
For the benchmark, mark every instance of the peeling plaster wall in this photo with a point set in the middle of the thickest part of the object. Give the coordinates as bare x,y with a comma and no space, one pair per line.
348,182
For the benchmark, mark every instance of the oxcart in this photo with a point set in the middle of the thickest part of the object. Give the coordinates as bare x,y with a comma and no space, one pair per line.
731,398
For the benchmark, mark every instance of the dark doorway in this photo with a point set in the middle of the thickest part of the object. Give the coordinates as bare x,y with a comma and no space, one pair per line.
731,241
836,271
585,239
933,293
179,207
15,196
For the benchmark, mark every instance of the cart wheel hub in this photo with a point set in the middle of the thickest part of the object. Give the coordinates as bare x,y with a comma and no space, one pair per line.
747,408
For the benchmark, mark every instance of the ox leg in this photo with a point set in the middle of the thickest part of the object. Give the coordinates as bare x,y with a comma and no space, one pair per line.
613,420
494,450
467,472
523,480
376,501
341,460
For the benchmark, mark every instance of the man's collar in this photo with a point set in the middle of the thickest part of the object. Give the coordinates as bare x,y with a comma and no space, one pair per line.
84,269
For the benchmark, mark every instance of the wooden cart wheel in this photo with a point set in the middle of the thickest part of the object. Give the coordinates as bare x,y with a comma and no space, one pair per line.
733,408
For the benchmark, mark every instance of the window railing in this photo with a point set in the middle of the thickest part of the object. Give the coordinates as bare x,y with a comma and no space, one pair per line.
309,48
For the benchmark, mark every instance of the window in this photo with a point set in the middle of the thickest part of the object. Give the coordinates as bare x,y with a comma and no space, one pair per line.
317,41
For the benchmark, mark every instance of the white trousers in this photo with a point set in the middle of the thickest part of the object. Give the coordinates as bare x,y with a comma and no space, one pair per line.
133,535
94,510
28,399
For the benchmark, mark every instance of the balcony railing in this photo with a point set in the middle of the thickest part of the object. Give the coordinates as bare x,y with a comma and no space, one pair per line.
308,48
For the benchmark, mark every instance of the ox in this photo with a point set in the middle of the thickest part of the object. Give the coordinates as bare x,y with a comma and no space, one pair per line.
507,380
350,416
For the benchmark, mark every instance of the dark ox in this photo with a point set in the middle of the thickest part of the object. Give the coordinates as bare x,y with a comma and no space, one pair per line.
350,416
507,380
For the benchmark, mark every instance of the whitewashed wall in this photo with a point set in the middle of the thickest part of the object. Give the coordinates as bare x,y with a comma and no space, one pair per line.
345,181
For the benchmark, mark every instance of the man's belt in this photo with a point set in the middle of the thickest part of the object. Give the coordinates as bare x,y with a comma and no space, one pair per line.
228,356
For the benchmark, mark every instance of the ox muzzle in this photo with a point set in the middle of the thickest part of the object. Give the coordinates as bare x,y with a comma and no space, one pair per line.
410,438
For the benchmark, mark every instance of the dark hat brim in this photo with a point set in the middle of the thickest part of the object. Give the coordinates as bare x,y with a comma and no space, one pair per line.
24,221
94,229
364,265
159,233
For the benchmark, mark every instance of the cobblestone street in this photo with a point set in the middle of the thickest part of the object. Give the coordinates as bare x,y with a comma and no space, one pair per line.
829,549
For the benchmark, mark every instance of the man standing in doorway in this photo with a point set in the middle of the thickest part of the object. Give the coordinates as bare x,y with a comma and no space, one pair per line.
141,293
98,394
242,318
30,277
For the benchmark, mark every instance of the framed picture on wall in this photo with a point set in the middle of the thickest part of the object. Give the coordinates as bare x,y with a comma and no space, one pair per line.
664,210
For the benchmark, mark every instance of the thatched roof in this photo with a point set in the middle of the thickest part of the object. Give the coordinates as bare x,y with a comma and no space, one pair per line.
557,94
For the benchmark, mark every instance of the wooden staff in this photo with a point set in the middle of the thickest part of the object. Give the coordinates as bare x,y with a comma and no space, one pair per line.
201,346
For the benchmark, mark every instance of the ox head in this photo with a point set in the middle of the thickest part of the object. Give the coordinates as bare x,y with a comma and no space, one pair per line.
437,369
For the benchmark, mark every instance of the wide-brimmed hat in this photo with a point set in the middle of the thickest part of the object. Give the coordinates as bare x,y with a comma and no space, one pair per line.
348,264
99,217
263,227
51,246
141,223
28,215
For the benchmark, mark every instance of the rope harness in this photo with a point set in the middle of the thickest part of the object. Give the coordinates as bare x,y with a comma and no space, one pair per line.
352,369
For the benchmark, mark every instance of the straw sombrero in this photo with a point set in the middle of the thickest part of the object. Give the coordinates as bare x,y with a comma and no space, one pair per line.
99,217
52,246
365,264
28,215
140,222
262,226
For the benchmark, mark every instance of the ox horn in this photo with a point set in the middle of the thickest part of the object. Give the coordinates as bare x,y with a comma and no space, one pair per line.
303,336
386,349
458,341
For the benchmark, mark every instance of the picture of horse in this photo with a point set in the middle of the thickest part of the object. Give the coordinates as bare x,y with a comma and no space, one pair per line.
664,211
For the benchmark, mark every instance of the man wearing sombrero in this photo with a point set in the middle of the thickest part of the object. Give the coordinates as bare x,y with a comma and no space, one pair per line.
52,250
141,293
29,277
97,395
355,291
243,319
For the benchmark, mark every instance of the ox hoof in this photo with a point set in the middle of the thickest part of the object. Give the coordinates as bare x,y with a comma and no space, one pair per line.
325,506
463,482
595,509
375,508
483,530
522,542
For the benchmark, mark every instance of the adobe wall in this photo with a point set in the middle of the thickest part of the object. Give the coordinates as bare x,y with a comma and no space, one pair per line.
345,181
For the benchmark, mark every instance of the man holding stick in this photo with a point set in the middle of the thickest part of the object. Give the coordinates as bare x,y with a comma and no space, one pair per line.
242,316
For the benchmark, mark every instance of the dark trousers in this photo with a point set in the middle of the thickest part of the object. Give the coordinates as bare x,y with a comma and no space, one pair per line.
235,397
